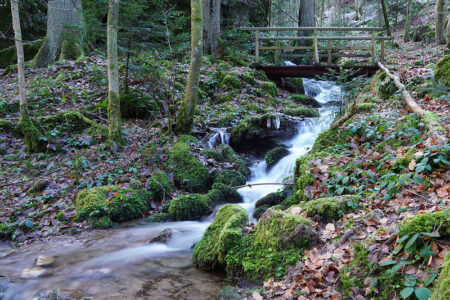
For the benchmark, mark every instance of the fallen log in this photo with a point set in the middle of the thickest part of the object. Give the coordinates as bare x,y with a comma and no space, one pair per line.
434,127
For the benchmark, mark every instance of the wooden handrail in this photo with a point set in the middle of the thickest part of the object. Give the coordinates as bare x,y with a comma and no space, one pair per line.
324,38
311,28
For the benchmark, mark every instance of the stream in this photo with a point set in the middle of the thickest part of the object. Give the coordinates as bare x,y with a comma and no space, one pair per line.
118,264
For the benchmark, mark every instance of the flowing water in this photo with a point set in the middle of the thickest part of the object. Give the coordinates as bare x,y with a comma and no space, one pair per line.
119,264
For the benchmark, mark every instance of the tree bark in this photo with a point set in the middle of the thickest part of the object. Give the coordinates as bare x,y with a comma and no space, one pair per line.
386,17
441,10
306,18
406,36
448,34
64,32
185,118
113,73
32,136
211,26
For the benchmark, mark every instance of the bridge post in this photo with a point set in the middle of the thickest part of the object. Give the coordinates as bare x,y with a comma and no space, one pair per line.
257,45
277,51
329,50
382,52
316,49
373,48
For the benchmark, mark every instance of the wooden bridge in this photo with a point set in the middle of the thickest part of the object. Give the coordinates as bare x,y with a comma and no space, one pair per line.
321,49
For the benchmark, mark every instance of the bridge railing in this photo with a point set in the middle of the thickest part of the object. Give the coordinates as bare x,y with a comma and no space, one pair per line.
312,34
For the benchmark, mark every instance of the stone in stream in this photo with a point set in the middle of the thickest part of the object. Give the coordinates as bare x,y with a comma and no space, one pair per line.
33,272
44,261
161,237
62,294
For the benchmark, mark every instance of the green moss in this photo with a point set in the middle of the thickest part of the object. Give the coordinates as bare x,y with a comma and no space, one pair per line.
188,207
330,208
7,230
442,286
230,177
249,78
160,185
230,156
432,122
6,126
269,89
357,269
221,236
115,203
34,139
394,143
427,222
8,56
301,112
259,211
386,88
231,82
41,59
302,174
365,107
305,100
189,173
274,155
137,105
271,199
404,161
159,218
442,72
214,154
104,222
228,293
331,137
222,193
243,131
70,50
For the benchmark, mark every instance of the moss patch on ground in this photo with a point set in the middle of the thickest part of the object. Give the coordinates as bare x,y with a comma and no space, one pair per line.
330,208
442,72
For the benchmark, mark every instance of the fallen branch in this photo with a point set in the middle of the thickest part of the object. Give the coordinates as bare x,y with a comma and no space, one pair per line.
254,184
347,116
434,127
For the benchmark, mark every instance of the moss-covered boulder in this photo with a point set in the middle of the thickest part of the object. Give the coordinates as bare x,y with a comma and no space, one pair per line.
269,89
442,72
230,177
221,236
188,207
159,218
222,193
301,112
160,185
112,202
427,222
442,286
188,171
271,199
305,100
330,208
8,56
137,105
274,155
231,82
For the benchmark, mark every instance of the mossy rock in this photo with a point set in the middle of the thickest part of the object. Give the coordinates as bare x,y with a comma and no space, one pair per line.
269,89
249,78
305,100
427,222
188,172
273,156
230,156
271,199
117,204
188,207
303,176
280,231
231,82
221,236
159,218
228,293
330,208
259,211
137,105
8,56
301,112
442,286
442,72
230,177
365,107
160,185
222,193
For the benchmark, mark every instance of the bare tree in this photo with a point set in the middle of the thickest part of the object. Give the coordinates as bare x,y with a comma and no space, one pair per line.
406,36
441,10
386,17
113,73
185,118
32,136
64,32
211,26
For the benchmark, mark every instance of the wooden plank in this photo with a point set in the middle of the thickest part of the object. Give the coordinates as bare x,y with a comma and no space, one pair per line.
257,46
311,28
325,38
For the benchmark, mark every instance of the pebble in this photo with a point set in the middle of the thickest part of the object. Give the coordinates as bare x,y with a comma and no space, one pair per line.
34,272
44,261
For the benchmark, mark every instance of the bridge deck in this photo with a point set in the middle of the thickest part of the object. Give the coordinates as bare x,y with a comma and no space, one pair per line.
277,72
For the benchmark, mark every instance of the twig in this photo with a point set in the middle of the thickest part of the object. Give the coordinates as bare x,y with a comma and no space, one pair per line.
254,184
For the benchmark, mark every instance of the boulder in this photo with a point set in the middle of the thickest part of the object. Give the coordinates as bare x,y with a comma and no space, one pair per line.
189,207
161,237
274,155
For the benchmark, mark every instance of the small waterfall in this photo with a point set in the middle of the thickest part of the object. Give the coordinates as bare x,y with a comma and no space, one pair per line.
220,136
322,91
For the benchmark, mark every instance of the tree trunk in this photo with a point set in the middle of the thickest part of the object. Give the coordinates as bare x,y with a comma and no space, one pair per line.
386,18
306,13
64,33
185,118
407,22
441,10
448,34
211,26
322,12
32,136
113,73
359,5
